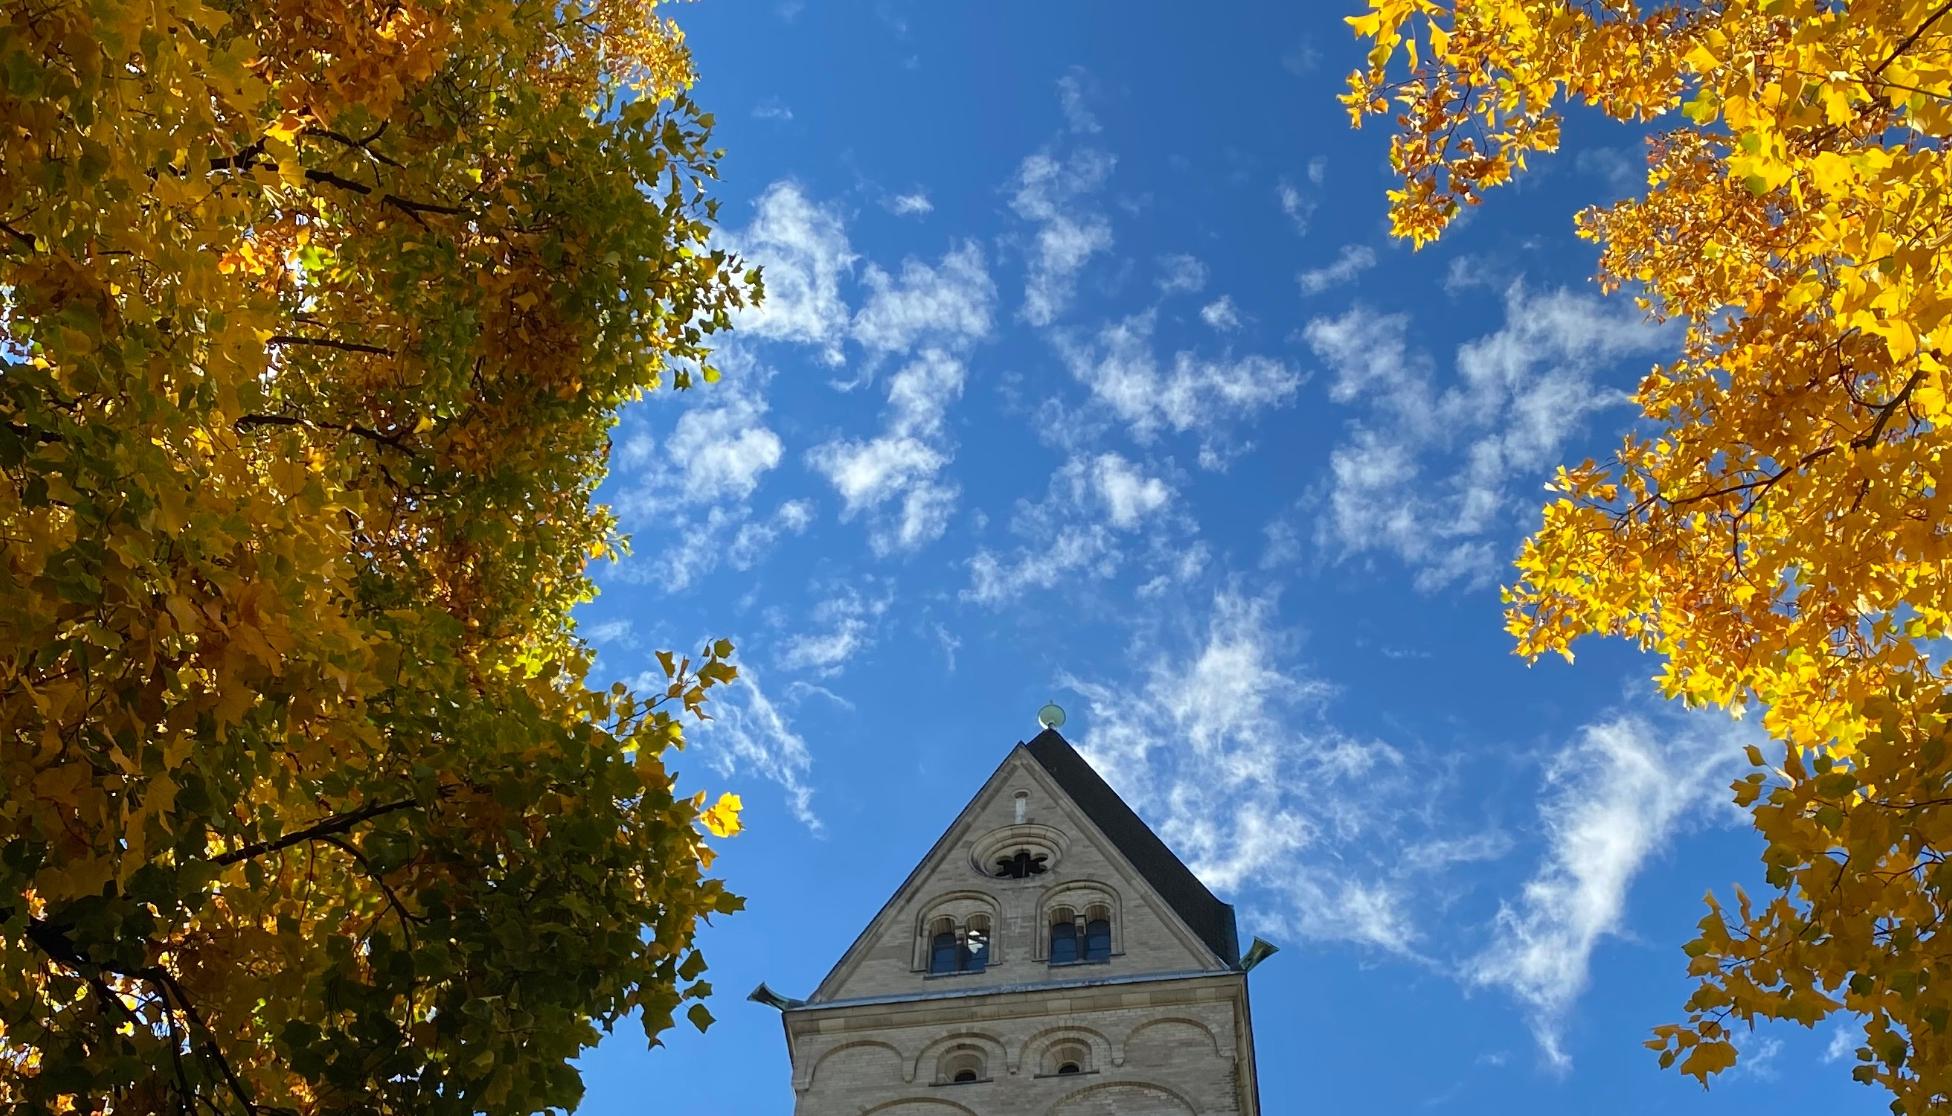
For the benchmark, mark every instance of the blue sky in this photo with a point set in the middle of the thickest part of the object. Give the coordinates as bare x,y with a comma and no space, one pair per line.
1090,374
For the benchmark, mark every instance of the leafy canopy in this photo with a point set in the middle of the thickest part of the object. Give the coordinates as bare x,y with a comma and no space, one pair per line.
1778,529
314,319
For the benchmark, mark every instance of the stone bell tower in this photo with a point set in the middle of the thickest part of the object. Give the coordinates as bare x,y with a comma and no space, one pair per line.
1050,956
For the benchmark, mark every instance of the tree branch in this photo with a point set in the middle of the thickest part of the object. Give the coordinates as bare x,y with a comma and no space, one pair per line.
22,430
408,206
1870,437
392,898
328,343
1912,38
330,827
166,983
361,144
394,440
24,238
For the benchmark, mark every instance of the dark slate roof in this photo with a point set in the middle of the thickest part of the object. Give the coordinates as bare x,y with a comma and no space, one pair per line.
1206,915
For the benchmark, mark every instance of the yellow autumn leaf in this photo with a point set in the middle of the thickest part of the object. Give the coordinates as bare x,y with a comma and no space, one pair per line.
309,425
1773,530
723,818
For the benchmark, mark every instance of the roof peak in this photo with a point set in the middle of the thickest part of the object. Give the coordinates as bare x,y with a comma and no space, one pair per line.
1202,911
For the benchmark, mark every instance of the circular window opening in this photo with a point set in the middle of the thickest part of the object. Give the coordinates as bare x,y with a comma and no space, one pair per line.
1017,852
1068,1068
1021,865
967,1075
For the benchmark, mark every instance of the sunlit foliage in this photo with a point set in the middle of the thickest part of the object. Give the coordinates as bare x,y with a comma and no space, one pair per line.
314,319
1777,528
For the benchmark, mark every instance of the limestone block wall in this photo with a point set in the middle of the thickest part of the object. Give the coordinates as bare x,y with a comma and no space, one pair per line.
1168,1048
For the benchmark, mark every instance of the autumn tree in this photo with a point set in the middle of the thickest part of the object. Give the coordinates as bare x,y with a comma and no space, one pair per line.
314,319
1776,526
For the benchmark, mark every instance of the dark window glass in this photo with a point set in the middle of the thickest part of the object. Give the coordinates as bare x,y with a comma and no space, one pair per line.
977,954
942,953
1064,943
1068,1067
1020,865
1097,939
965,1075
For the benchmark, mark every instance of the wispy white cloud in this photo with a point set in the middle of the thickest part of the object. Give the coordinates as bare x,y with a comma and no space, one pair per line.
618,633
698,483
1224,747
1055,197
1429,470
804,249
1468,272
950,304
772,108
1759,1060
1301,59
800,688
1221,314
1100,512
950,643
1623,169
1844,1041
1187,392
1180,272
915,203
1612,800
843,628
749,735
1470,848
1073,90
1351,261
755,536
894,478
1296,205
1282,544
723,451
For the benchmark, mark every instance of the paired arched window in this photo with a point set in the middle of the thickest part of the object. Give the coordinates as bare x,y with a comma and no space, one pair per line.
959,949
1076,936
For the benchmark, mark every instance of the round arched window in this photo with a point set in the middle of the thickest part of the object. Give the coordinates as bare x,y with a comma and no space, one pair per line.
945,955
976,945
960,1066
1065,1057
1098,939
1064,936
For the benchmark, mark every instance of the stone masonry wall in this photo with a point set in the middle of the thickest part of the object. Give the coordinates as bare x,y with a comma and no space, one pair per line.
1167,1049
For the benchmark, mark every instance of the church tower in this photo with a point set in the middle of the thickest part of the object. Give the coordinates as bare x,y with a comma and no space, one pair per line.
1050,956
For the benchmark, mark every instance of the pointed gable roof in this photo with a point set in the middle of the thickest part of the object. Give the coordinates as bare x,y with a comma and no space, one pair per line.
1199,908
1201,916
